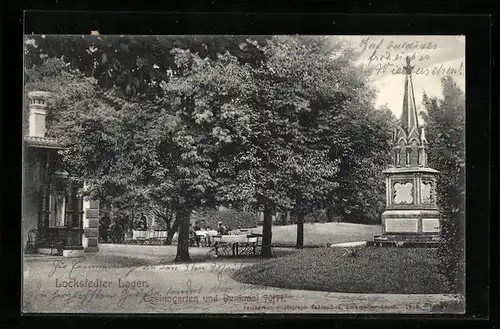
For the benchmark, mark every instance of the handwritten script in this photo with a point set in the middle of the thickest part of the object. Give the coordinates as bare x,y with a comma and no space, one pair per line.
385,57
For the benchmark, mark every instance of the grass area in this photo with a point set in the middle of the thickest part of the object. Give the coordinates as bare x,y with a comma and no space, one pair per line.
373,270
319,234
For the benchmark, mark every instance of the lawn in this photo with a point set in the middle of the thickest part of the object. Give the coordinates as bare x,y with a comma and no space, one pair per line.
319,234
372,270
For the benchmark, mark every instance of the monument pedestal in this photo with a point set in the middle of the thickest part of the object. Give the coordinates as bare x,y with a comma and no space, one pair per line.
411,218
409,228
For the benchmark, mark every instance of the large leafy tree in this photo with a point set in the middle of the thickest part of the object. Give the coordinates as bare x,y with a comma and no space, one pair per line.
297,106
445,128
361,194
106,139
205,96
279,162
269,129
135,64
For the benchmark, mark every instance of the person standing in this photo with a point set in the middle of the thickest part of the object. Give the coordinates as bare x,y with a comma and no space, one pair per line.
197,238
222,230
104,225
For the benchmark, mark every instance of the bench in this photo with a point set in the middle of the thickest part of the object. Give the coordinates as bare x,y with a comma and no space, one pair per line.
146,237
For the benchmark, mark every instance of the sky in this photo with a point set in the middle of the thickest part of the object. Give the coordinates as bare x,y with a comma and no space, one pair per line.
432,56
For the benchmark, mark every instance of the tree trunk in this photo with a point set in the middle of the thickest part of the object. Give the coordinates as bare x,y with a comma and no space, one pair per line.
267,232
169,214
330,214
171,232
183,217
300,231
286,219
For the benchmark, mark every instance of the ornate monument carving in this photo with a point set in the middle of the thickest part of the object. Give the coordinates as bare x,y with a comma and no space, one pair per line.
411,213
428,192
403,193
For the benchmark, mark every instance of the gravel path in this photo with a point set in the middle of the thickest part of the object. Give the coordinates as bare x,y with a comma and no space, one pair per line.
203,287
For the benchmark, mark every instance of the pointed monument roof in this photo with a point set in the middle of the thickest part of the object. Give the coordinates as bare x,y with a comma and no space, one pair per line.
409,119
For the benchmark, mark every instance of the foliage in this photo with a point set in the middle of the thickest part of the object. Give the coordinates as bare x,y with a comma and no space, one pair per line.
104,135
361,194
232,219
373,270
269,133
317,216
183,123
137,65
445,129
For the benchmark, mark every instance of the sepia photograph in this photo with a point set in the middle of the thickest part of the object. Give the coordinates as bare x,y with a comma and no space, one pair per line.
243,174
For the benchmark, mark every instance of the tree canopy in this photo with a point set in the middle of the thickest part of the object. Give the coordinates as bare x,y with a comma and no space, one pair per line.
135,64
445,128
285,122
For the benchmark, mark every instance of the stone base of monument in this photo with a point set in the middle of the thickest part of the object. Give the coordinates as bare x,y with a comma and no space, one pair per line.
408,228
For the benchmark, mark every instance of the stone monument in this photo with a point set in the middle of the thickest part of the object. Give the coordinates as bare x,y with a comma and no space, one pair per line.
411,216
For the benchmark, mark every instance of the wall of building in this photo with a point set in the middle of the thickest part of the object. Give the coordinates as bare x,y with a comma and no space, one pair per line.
32,178
90,225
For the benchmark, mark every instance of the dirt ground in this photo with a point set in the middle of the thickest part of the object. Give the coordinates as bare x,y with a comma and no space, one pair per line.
160,286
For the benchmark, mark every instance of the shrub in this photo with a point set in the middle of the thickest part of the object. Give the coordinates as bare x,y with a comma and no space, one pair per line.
451,251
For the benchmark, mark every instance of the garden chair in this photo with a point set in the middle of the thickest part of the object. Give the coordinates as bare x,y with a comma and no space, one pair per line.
223,248
159,237
250,246
32,240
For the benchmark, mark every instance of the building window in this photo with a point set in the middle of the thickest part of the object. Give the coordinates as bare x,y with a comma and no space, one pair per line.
57,204
73,208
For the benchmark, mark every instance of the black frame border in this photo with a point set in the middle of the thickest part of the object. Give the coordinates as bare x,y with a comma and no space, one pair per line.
479,132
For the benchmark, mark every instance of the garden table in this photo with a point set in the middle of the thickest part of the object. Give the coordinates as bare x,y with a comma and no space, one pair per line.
206,236
235,243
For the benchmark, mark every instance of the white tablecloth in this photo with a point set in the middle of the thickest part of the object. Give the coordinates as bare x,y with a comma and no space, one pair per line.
235,238
207,233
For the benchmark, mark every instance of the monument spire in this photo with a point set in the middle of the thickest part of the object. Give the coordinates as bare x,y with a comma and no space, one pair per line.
411,215
409,119
409,137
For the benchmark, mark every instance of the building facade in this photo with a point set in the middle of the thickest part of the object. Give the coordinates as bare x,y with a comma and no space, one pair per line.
56,219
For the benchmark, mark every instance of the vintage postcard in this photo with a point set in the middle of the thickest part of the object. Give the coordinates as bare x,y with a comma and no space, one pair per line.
243,174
